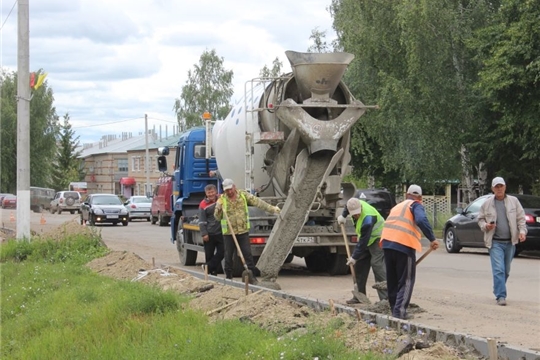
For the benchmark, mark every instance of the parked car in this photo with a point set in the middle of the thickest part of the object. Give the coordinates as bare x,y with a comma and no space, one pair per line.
381,199
103,208
9,202
161,201
66,201
40,198
2,195
138,207
462,230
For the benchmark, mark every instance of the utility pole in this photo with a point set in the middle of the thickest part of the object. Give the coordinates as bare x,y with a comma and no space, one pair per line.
23,122
147,161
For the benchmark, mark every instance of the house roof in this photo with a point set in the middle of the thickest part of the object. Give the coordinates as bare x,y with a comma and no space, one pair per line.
112,145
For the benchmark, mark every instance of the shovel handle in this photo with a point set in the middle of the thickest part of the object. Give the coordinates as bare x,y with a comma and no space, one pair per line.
424,256
238,250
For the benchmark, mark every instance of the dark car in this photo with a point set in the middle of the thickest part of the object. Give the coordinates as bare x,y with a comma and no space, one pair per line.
381,199
9,202
462,230
103,208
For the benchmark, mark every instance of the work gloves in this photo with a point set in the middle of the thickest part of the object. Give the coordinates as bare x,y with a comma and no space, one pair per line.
351,261
219,205
341,220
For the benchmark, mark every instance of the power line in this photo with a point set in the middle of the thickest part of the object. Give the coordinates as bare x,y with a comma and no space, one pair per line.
103,124
8,14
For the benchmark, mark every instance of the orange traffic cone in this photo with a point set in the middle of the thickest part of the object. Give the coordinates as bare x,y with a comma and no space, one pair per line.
11,216
42,221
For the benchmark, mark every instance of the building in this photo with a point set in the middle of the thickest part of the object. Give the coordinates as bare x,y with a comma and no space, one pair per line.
117,165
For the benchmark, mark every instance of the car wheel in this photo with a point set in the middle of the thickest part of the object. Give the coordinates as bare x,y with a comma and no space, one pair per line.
149,218
451,242
91,220
59,211
72,212
51,210
125,223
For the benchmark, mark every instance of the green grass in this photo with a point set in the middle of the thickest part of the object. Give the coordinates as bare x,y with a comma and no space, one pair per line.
53,307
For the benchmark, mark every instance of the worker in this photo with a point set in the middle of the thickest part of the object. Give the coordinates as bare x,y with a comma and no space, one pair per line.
400,239
502,219
235,203
367,252
210,228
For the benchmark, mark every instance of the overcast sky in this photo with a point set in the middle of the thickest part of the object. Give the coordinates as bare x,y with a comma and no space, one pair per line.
112,61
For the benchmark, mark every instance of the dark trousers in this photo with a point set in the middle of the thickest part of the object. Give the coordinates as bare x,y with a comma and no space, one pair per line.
214,251
372,257
230,248
400,277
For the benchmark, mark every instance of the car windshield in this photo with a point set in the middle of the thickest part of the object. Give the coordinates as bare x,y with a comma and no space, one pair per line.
106,200
529,202
141,200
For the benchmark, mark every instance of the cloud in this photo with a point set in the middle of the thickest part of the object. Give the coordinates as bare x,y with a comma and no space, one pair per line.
111,61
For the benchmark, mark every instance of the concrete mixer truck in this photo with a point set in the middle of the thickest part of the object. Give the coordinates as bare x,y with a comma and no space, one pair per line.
288,142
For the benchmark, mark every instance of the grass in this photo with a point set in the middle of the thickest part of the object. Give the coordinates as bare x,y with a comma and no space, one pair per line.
53,307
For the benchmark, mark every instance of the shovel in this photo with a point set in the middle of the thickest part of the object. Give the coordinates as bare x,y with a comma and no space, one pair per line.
382,285
246,274
357,294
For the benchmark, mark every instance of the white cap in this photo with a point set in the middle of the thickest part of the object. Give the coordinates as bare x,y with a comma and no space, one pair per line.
354,207
227,184
497,181
414,190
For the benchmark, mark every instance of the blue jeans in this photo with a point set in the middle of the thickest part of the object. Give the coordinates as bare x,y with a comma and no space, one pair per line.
501,255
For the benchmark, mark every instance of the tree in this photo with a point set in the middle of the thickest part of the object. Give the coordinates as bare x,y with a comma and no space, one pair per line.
43,130
411,60
509,52
67,167
208,88
275,71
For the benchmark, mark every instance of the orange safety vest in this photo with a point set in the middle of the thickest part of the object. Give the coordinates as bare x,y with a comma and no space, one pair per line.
400,227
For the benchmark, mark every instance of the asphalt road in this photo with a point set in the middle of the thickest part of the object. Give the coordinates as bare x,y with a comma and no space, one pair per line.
454,289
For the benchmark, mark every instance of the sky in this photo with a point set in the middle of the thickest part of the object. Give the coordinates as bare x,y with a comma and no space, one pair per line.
110,62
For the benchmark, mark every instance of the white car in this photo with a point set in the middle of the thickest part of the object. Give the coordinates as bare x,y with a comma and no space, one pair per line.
138,207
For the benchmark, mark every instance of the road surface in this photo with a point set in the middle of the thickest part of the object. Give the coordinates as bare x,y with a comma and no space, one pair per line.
454,289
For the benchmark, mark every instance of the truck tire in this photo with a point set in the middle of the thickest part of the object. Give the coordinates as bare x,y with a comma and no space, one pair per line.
163,220
316,261
153,219
187,257
336,264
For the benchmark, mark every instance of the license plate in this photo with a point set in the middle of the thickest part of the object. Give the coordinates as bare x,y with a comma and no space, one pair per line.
112,216
305,240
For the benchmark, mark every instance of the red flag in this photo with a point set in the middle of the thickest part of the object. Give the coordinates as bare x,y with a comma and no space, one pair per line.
32,79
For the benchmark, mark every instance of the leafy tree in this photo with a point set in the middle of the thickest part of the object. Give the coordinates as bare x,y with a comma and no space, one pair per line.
208,88
509,51
275,71
67,167
43,130
411,59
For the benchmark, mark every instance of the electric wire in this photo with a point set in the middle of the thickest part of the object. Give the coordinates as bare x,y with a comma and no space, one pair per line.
8,14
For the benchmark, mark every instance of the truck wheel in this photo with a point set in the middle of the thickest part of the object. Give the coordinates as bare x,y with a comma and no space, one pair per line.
289,259
337,264
153,219
316,261
187,257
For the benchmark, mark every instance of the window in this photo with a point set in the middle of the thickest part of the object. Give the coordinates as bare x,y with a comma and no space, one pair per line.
123,165
136,163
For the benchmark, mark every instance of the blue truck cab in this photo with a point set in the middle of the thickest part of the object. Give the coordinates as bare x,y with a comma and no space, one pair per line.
191,174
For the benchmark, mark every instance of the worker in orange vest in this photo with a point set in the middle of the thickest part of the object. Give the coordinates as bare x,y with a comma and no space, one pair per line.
400,239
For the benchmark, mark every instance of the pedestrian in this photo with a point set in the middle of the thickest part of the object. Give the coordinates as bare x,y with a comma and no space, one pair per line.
502,219
214,249
400,240
235,203
367,253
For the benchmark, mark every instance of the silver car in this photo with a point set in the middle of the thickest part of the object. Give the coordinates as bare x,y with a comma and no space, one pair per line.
66,201
138,207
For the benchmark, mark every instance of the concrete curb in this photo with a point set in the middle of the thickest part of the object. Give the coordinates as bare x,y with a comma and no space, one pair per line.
456,340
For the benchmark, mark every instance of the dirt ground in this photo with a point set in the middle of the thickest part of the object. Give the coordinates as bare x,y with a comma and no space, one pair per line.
284,317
